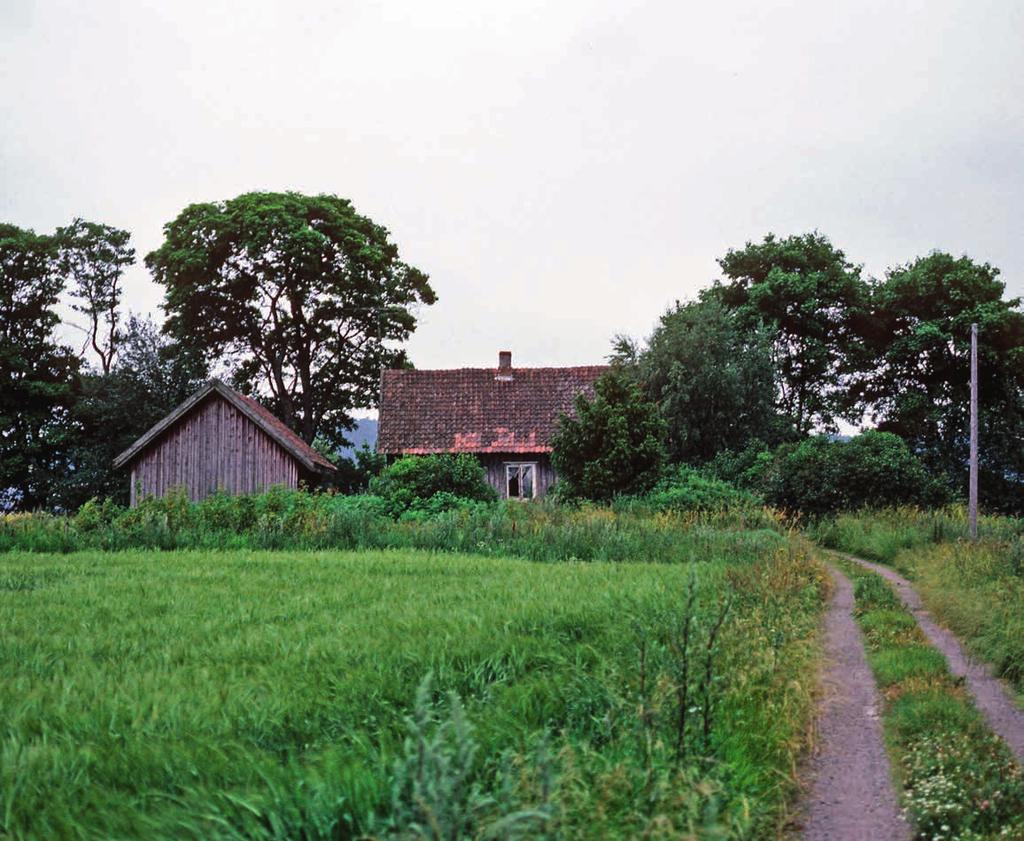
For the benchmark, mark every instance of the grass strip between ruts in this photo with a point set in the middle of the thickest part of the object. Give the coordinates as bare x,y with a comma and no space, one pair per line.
958,779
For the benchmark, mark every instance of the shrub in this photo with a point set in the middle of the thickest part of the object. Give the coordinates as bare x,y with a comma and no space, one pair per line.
614,446
95,515
747,468
688,489
413,480
823,475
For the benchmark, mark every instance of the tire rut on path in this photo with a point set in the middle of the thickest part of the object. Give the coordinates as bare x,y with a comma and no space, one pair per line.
851,796
991,696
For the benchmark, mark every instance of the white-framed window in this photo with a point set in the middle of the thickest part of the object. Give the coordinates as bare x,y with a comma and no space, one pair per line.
520,480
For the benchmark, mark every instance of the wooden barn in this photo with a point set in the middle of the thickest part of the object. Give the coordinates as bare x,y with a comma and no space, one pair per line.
505,416
219,439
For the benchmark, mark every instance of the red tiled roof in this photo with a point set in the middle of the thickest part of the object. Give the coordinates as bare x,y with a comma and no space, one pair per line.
468,410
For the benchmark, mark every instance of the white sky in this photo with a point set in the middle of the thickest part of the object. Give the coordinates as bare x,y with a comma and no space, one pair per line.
562,170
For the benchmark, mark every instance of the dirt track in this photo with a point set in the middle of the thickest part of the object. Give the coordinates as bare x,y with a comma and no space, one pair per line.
851,795
990,695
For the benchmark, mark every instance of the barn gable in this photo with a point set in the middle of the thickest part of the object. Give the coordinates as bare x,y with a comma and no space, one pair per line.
218,439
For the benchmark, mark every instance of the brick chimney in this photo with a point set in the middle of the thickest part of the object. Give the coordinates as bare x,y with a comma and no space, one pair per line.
504,366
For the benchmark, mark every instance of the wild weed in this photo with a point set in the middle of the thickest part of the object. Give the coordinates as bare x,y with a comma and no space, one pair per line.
436,792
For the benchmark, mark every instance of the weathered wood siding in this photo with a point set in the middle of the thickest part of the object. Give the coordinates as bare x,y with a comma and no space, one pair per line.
213,447
494,464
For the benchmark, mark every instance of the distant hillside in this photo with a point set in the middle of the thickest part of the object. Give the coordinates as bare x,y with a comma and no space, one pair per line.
365,432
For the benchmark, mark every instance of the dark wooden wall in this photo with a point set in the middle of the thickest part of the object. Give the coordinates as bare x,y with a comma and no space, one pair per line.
213,447
494,464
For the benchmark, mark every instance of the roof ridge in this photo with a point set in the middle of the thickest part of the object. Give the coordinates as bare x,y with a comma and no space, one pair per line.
495,368
476,410
257,413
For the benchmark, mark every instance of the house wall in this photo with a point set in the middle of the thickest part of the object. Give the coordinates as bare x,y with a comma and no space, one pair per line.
214,446
494,464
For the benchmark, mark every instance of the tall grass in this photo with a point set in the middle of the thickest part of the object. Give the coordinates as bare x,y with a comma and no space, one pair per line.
977,590
882,535
283,519
240,694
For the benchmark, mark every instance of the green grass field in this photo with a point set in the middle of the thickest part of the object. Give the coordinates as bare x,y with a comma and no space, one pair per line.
266,695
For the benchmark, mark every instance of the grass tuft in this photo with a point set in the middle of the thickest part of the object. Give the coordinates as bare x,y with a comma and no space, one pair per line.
897,663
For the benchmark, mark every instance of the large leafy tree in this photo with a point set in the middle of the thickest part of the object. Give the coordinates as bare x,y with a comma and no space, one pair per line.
813,299
150,376
92,257
303,297
919,386
613,444
37,373
713,381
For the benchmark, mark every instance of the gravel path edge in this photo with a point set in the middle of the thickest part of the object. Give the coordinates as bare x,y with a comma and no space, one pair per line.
851,796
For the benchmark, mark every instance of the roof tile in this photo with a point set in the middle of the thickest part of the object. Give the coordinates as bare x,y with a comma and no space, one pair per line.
469,410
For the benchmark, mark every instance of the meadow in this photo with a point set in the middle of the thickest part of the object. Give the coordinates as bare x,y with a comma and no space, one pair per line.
406,693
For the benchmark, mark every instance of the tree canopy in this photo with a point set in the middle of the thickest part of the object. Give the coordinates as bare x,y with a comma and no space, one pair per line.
92,257
37,373
300,301
150,376
300,296
918,384
713,381
813,299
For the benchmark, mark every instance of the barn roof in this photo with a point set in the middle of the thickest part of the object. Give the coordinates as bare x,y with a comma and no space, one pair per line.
477,410
256,412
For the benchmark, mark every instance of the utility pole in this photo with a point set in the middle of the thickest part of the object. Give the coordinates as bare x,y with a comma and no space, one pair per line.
972,504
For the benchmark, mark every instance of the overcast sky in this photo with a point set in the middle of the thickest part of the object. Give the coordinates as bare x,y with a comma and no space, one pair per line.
562,170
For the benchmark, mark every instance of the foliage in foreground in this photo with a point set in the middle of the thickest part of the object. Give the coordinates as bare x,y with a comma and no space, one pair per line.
959,779
977,589
240,695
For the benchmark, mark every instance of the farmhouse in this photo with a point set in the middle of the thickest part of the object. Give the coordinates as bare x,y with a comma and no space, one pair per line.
219,439
505,416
